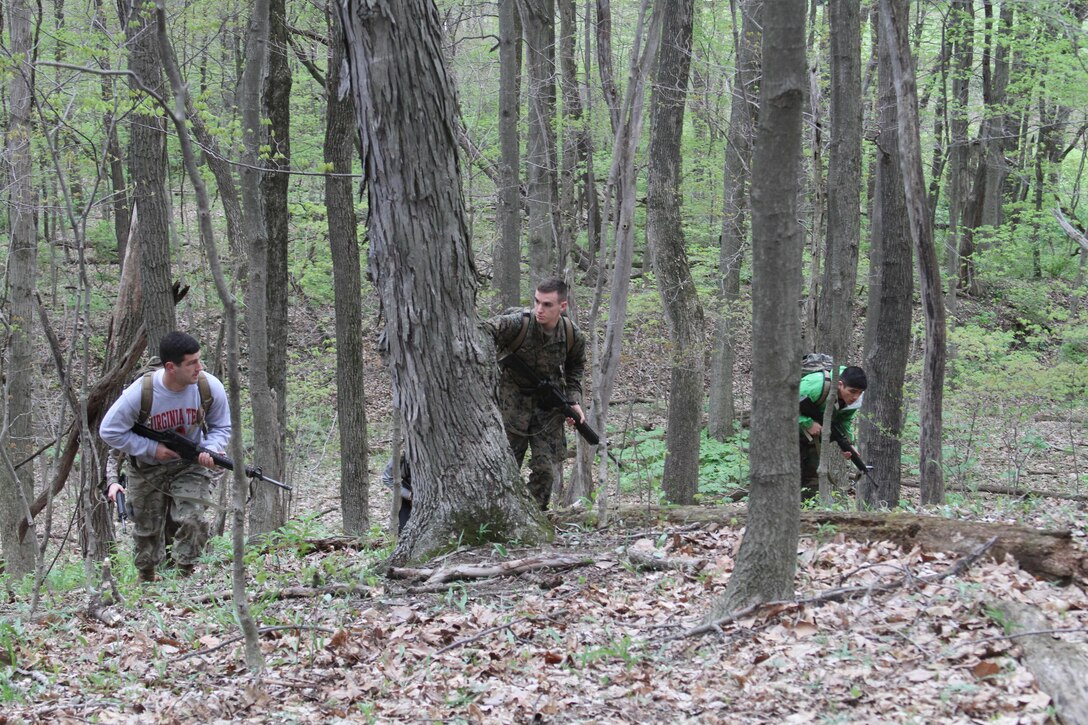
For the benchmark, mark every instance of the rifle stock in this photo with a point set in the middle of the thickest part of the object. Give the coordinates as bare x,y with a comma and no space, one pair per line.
191,452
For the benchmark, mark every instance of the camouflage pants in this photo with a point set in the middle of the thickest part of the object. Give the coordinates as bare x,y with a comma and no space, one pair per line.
167,505
810,468
528,428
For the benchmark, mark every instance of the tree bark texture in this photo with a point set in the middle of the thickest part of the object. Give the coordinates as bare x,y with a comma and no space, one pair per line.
442,364
738,160
507,258
768,552
665,237
541,156
604,63
575,139
265,512
147,168
887,325
836,309
269,436
350,342
17,431
960,32
894,32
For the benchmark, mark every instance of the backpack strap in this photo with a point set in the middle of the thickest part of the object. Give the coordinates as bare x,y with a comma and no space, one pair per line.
568,328
826,390
147,393
205,389
520,339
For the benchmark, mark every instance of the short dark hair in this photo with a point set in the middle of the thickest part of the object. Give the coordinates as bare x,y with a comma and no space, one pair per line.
174,346
553,284
854,377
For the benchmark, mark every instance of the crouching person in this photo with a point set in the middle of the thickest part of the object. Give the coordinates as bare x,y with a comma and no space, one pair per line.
168,496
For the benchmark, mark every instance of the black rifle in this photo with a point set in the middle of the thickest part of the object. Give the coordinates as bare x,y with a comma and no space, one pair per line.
122,512
191,452
550,397
838,435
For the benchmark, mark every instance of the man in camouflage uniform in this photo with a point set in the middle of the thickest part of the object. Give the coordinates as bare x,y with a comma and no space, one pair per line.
168,495
552,345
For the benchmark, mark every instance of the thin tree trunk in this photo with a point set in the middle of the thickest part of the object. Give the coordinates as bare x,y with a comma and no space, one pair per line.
254,658
768,553
508,254
265,513
147,167
665,237
888,322
738,152
538,28
17,426
350,343
910,160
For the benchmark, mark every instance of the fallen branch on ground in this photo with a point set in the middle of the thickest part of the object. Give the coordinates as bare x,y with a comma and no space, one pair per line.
838,595
436,577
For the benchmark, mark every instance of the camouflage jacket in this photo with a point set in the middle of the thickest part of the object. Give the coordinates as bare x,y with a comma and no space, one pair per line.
547,355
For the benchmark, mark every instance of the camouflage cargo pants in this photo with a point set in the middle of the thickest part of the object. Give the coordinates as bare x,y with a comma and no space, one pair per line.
528,428
167,505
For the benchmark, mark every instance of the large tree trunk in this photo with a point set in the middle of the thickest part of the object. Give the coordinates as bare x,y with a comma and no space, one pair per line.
350,344
575,139
894,35
887,325
507,257
442,364
538,27
147,167
604,63
665,237
768,552
738,152
17,431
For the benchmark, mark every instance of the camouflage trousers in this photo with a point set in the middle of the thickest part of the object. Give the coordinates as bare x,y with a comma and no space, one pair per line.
528,428
167,504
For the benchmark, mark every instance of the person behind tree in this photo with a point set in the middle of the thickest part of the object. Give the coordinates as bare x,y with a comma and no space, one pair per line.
167,495
405,489
549,342
815,387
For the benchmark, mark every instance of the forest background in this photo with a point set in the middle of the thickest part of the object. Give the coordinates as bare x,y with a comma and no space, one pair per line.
655,236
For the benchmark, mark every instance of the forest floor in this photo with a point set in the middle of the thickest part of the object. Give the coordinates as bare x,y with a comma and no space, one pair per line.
605,637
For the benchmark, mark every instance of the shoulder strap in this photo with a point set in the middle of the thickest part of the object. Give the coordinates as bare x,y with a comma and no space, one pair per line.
568,327
147,392
520,339
826,389
205,389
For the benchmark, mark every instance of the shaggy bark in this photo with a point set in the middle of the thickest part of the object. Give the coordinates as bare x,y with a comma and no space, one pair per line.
442,364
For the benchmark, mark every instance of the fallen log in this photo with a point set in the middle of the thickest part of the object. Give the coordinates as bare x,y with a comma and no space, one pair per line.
1048,554
1009,491
1060,667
